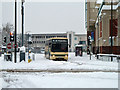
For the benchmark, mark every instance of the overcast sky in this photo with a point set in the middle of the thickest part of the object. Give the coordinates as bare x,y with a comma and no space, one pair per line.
48,16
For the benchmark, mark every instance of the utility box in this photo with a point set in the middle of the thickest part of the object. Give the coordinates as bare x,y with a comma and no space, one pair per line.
7,56
22,56
22,53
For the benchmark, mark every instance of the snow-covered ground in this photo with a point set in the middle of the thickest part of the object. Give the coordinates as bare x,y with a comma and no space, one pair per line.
60,79
73,62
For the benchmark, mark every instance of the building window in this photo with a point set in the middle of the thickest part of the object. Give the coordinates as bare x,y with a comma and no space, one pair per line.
75,38
110,41
32,36
82,42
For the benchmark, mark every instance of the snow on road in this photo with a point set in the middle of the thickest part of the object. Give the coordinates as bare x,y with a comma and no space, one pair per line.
61,80
73,63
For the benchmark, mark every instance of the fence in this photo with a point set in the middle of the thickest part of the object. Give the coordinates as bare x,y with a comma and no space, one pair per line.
107,57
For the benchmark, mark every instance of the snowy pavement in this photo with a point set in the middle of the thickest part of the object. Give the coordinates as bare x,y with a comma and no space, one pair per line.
101,79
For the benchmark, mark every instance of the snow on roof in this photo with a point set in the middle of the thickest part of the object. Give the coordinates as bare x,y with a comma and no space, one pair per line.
3,46
108,7
49,33
99,1
57,33
79,45
22,48
118,5
82,34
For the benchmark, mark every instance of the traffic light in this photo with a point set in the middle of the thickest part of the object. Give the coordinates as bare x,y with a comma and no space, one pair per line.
11,37
4,39
89,41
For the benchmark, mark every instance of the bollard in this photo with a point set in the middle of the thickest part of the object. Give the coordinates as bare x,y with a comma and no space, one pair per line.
33,57
118,58
29,59
97,56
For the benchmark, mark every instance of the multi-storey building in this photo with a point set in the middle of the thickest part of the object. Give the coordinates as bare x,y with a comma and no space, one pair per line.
38,40
99,18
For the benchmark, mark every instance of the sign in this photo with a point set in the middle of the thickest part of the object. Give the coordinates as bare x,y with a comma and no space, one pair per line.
9,45
14,46
92,36
59,40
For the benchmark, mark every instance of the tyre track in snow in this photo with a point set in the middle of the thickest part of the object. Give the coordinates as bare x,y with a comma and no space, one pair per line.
57,70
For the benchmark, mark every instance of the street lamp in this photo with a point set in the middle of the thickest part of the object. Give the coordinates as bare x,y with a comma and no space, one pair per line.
15,29
111,29
28,42
22,12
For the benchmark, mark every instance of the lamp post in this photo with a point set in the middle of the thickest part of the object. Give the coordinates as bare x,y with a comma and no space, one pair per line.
22,12
111,34
15,29
28,45
98,36
28,42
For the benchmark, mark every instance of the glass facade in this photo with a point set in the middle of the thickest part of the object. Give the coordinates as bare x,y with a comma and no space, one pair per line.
82,42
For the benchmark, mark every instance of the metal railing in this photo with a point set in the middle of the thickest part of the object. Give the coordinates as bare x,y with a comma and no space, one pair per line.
107,57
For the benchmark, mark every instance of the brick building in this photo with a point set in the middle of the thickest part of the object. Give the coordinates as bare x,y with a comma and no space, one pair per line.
98,21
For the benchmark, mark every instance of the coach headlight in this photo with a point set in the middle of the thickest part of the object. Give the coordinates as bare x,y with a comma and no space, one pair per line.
53,55
66,56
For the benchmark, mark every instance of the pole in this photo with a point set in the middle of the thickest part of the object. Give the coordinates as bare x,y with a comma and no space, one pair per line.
119,26
28,45
98,34
22,12
89,45
90,51
98,38
111,29
15,27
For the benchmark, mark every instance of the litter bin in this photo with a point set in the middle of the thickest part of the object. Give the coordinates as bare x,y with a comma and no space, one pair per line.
8,57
